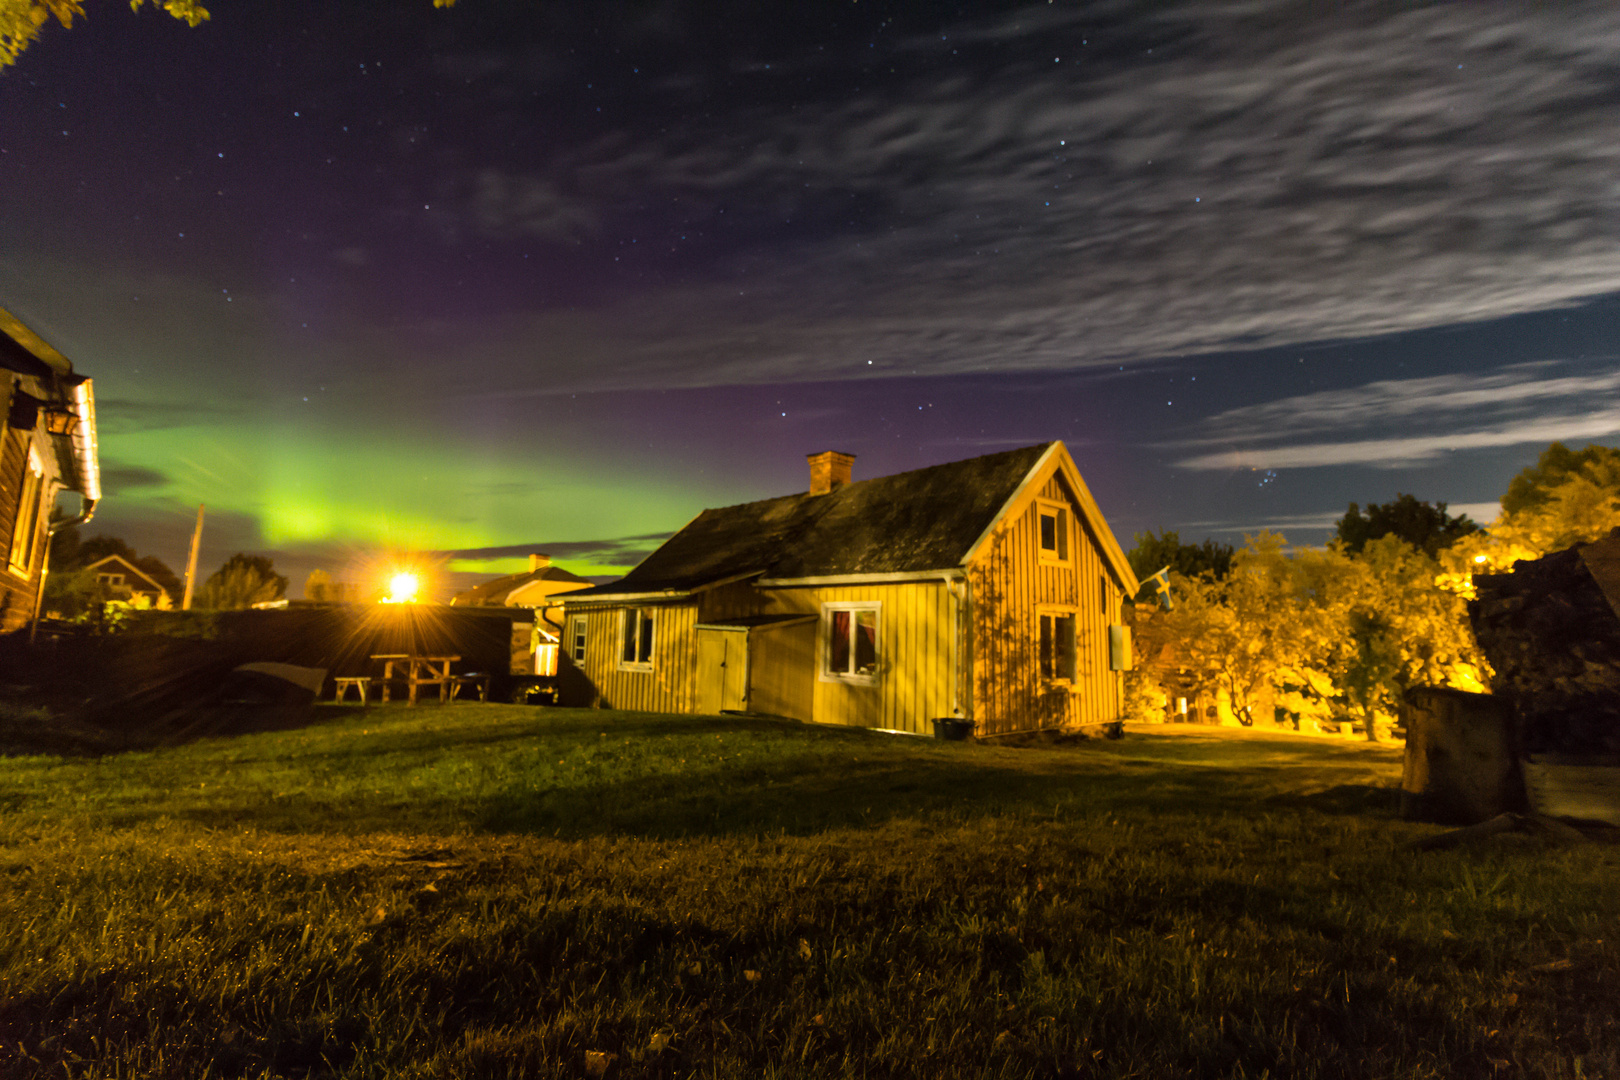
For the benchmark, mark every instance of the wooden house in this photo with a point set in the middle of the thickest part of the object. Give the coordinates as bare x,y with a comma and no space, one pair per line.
986,590
536,588
47,446
126,581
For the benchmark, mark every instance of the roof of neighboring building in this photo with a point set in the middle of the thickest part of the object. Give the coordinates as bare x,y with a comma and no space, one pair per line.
912,522
131,569
496,591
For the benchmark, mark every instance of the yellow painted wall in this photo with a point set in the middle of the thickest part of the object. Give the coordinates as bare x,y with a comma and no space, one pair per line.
782,670
669,686
1010,586
915,673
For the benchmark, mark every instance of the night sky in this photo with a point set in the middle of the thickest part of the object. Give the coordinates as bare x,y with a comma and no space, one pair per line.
555,276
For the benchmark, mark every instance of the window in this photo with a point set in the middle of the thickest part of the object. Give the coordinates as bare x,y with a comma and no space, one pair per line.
638,639
110,579
27,521
1054,521
576,638
851,648
1057,646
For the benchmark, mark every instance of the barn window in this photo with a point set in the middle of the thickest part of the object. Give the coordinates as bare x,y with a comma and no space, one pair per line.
850,648
576,638
1057,646
638,639
27,519
1054,522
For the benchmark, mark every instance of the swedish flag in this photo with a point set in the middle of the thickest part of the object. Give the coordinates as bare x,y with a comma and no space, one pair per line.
1161,585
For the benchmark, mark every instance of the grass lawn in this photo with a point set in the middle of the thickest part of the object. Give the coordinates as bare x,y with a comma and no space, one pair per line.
487,890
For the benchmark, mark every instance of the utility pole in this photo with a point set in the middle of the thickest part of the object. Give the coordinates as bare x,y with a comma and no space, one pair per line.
191,561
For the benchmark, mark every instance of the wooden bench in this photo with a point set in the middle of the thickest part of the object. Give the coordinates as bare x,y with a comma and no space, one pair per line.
480,681
361,683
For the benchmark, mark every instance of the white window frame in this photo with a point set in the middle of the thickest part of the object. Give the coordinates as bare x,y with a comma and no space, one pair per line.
851,678
1062,554
640,622
576,638
25,525
1055,612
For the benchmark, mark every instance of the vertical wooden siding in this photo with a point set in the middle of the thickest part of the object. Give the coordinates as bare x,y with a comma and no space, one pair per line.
1010,586
16,591
916,673
671,685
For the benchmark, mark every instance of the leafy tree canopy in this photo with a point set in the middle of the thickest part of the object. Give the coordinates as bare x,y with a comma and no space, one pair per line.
1153,553
1426,526
1558,465
22,20
243,581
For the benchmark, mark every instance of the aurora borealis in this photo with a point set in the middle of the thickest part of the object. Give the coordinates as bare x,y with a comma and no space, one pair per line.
515,276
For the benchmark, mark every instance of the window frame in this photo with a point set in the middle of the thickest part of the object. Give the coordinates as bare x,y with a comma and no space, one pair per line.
1062,551
1057,677
577,627
645,637
850,678
25,524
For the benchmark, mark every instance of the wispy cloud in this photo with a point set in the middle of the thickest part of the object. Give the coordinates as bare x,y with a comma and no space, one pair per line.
1262,177
1513,406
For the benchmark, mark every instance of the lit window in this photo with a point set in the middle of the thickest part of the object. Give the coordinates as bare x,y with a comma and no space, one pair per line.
1057,647
576,638
1054,522
26,530
851,642
638,638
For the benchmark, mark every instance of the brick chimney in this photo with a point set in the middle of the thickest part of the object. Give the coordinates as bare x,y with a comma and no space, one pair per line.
538,562
829,471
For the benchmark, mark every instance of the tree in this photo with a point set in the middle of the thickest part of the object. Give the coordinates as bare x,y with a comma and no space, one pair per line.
1426,526
243,581
1153,553
1533,488
22,20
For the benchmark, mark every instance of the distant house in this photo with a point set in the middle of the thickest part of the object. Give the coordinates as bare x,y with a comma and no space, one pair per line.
536,588
533,588
126,581
986,590
47,446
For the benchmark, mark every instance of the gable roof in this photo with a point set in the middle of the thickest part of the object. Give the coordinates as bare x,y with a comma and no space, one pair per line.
131,569
925,520
496,591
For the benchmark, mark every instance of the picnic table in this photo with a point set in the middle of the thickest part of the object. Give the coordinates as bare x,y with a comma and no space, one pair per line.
418,671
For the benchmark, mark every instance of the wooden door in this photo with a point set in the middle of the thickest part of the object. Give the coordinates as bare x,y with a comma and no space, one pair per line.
722,669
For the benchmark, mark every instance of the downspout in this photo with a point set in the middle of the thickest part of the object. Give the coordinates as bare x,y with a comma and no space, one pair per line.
961,591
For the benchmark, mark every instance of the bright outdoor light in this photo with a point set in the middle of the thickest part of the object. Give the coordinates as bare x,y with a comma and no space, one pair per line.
402,588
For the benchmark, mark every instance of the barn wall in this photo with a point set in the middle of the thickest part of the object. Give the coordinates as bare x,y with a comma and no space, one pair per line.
1011,587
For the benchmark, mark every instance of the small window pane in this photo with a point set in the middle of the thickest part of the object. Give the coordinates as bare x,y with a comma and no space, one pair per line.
865,642
838,644
1049,532
645,654
629,653
1062,528
1064,646
1046,647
